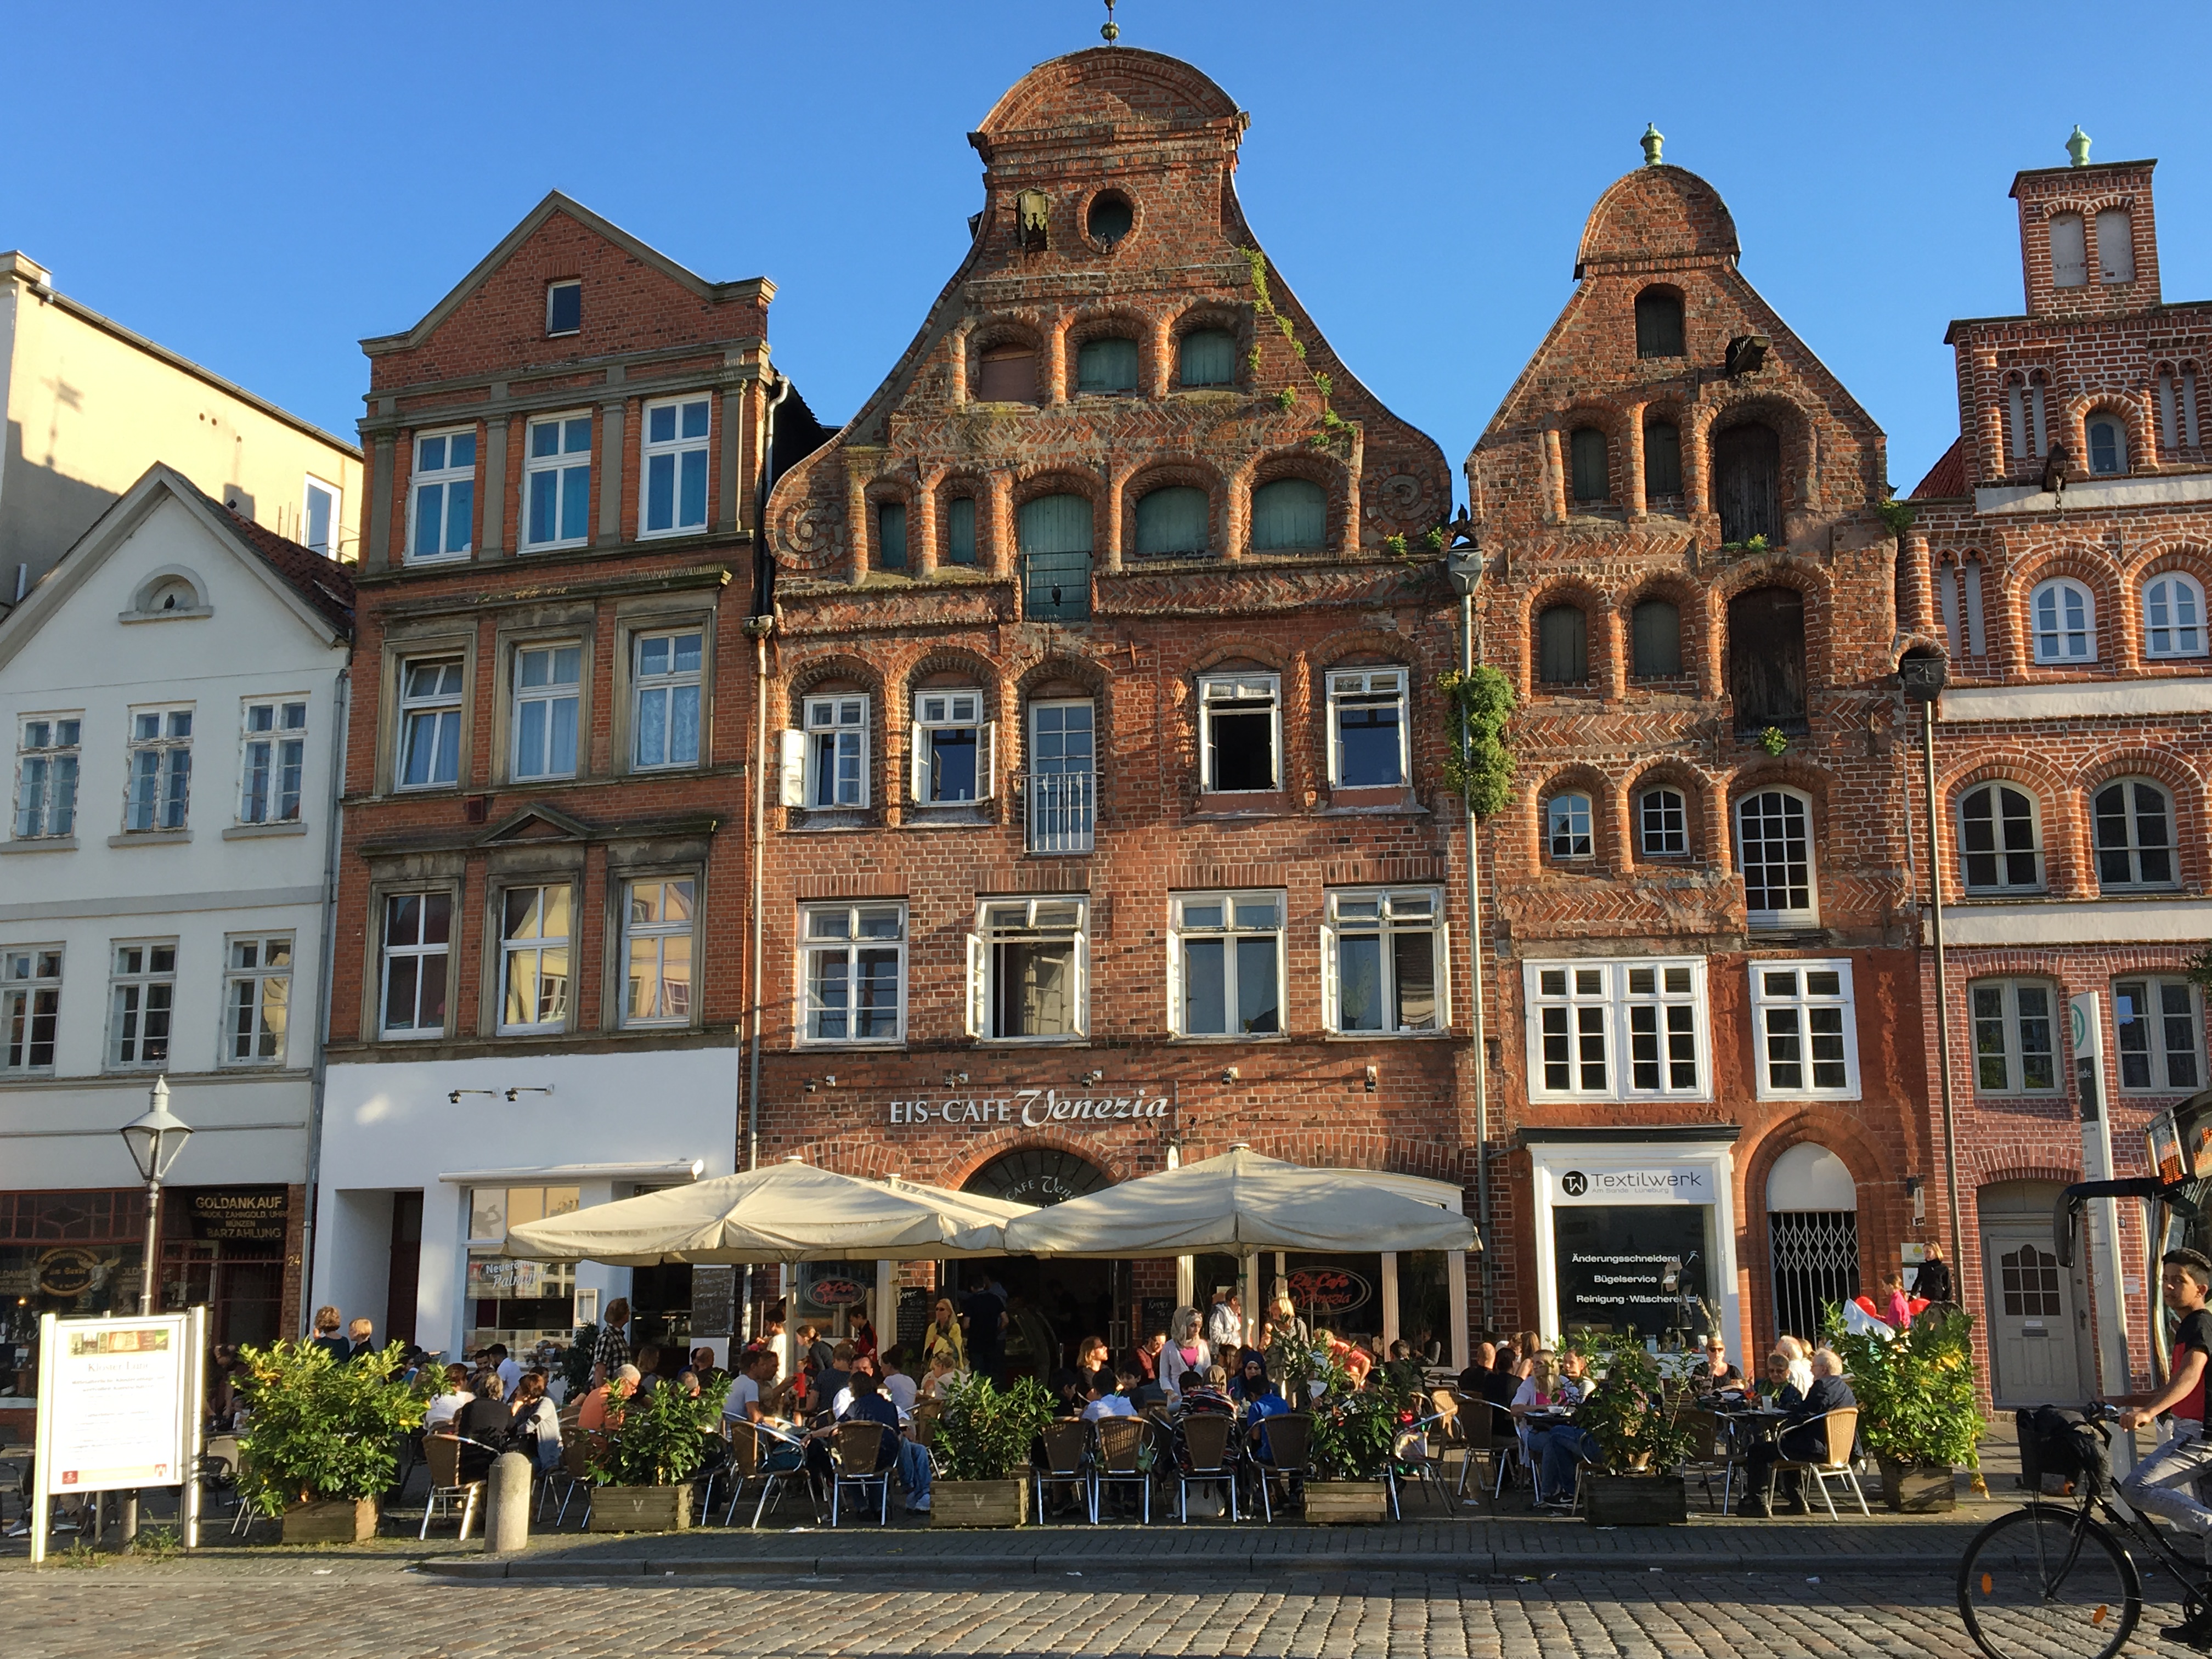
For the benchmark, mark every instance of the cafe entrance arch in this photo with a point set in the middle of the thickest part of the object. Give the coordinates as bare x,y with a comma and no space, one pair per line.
1052,1305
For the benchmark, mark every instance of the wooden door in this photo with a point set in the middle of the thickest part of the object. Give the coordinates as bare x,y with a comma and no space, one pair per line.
2035,1326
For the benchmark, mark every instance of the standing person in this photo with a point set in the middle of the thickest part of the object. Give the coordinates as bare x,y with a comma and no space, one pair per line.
861,1333
1225,1323
1932,1282
985,1310
1895,1310
360,1339
326,1334
612,1352
2165,1482
1185,1352
945,1336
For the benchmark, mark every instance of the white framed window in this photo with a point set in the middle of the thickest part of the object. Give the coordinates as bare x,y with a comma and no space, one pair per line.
955,747
417,946
2132,819
1367,728
673,466
1774,851
1617,1030
2173,615
534,938
1662,824
46,761
321,506
1028,966
1567,827
257,999
2108,447
853,965
557,483
2015,1037
442,505
30,1006
160,769
273,759
669,669
2161,1035
1225,964
1806,1031
1063,782
564,306
429,727
142,998
660,924
2063,615
1383,961
2000,841
1240,732
836,750
548,683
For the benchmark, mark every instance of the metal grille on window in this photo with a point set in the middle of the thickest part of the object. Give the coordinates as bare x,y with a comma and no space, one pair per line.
1816,1266
1055,534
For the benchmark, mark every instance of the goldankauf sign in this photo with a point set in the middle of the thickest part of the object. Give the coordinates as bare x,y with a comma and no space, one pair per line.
1032,1109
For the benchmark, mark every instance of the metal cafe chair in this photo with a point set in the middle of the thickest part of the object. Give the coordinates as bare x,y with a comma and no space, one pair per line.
855,1448
1712,1452
442,1452
1066,1458
1209,1445
577,1452
1129,1450
1843,1425
1411,1450
766,1454
1285,1453
1478,1438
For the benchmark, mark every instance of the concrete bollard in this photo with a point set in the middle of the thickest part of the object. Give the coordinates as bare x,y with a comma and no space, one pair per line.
507,1505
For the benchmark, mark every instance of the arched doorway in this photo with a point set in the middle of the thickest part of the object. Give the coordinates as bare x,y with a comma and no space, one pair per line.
1051,1304
1813,1233
1037,1175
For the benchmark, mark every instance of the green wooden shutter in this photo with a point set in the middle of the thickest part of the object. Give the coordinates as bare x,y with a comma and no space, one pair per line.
1209,358
960,531
1658,324
890,536
1290,514
1657,627
1591,479
1106,366
1056,545
1662,459
1562,655
1172,520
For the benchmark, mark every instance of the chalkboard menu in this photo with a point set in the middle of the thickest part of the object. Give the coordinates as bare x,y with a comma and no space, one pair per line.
713,1301
1157,1310
914,1314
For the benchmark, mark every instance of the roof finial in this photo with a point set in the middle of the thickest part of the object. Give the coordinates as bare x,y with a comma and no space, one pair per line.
2078,146
1651,140
1112,32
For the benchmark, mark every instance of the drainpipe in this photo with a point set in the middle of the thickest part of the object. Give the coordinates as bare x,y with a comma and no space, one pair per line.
318,1080
1942,991
1465,568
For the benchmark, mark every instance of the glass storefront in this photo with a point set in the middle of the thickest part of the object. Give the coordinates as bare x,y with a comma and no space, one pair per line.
1339,1292
517,1303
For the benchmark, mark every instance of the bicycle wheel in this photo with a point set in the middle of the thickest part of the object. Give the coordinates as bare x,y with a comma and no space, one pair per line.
2048,1583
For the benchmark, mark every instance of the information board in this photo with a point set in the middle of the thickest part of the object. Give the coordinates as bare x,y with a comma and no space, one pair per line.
119,1409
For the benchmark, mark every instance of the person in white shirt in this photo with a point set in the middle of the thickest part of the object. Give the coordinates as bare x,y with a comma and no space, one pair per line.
509,1368
742,1403
1108,1396
446,1407
1225,1320
898,1387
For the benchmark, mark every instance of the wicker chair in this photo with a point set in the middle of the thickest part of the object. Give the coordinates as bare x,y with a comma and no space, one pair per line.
442,1452
1843,1425
1209,1445
1713,1451
1129,1450
1063,1454
1287,1457
760,1453
856,1447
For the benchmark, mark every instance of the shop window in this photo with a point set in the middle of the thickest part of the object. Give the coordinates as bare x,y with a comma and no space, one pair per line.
2161,1041
1562,646
2134,825
1008,376
142,998
1173,520
1617,1030
1289,515
1109,365
960,531
535,941
1240,732
418,931
2063,615
2069,252
1367,728
1590,473
47,763
669,669
275,755
1062,797
517,1303
1807,1033
30,1006
1382,953
160,769
1055,536
1225,965
1567,827
1766,659
1209,357
1748,484
675,465
2108,447
548,683
1656,639
2116,245
557,483
837,751
1027,971
1658,324
954,747
1662,460
1774,851
430,732
2173,615
2015,1037
256,1000
854,970
659,918
444,500
2000,842
1662,824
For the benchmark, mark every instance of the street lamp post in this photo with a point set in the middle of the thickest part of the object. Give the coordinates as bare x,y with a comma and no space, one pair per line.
155,1139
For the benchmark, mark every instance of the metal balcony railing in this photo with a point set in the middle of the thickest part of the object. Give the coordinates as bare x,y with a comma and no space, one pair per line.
1062,811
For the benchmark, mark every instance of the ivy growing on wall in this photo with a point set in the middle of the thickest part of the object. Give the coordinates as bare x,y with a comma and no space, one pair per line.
1333,425
1480,771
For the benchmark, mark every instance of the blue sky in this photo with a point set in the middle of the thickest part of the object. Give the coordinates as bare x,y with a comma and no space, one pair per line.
260,186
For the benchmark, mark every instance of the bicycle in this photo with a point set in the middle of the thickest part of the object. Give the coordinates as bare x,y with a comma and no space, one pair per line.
2052,1579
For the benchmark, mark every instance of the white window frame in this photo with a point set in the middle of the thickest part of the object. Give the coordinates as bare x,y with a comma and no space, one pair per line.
439,478
1809,915
2184,639
537,945
135,986
1601,1003
170,749
2119,431
990,933
1783,1027
386,952
29,975
953,708
1644,833
2134,846
1369,687
1231,932
814,950
552,289
256,980
823,719
2004,855
2057,589
272,760
550,695
562,462
667,684
654,936
434,707
2008,1018
1397,916
309,485
1240,689
2157,1057
58,756
1580,816
675,451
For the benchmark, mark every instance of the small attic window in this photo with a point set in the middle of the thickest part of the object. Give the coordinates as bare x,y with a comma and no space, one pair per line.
1658,323
1111,215
564,308
2116,245
2069,253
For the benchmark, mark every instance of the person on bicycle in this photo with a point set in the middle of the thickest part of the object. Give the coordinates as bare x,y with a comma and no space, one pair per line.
2165,1482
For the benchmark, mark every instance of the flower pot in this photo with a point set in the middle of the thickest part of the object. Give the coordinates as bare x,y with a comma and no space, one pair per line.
1918,1488
640,1509
1346,1502
331,1521
978,1503
1637,1500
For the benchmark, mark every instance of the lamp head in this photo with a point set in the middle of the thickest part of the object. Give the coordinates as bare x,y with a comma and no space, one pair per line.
157,1138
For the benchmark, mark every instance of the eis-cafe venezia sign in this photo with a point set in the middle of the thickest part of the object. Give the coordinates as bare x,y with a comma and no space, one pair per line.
1036,1108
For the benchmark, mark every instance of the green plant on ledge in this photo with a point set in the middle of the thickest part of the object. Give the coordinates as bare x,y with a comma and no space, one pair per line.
1773,740
1480,770
985,1432
1898,516
663,1438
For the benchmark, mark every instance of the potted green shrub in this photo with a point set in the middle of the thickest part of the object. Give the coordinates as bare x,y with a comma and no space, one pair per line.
983,1440
641,1471
321,1443
1639,1437
1355,1430
1917,1411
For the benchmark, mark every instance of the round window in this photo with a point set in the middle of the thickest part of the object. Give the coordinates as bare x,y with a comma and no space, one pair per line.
1110,217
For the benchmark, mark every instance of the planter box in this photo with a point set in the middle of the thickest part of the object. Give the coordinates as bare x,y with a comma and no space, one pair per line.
332,1521
640,1509
1346,1502
1637,1500
978,1503
1918,1489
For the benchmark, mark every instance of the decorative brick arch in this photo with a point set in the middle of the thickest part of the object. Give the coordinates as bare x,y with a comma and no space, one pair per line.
2065,862
2134,413
1609,830
1323,467
2185,788
801,674
1692,603
1059,664
2024,574
1708,840
1168,471
1598,629
1880,1209
988,1145
1795,425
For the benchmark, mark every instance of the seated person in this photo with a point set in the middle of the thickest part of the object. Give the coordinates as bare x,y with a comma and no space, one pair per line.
944,1371
1778,1390
899,1388
1067,1394
1476,1377
1803,1437
1715,1375
1209,1397
484,1426
909,1457
1251,1380
602,1406
753,1390
445,1406
1109,1396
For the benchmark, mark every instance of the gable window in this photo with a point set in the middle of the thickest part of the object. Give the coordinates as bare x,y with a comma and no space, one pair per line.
1107,365
890,536
2116,245
960,531
2015,1040
30,1006
659,917
1383,961
2134,825
1240,732
1998,842
47,759
1656,637
256,1000
142,998
1766,659
1207,356
1662,459
161,760
547,682
1008,375
2063,615
1774,849
1808,1034
1054,533
1028,970
533,949
837,751
675,455
854,972
665,699
1367,728
1224,965
1748,480
1289,515
1562,646
564,307
444,503
418,931
429,722
556,482
1591,475
2108,447
1063,782
954,757
1617,1030
2069,252
1172,520
2173,615
1658,324
1662,824
318,516
2161,1047
275,757
1567,827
